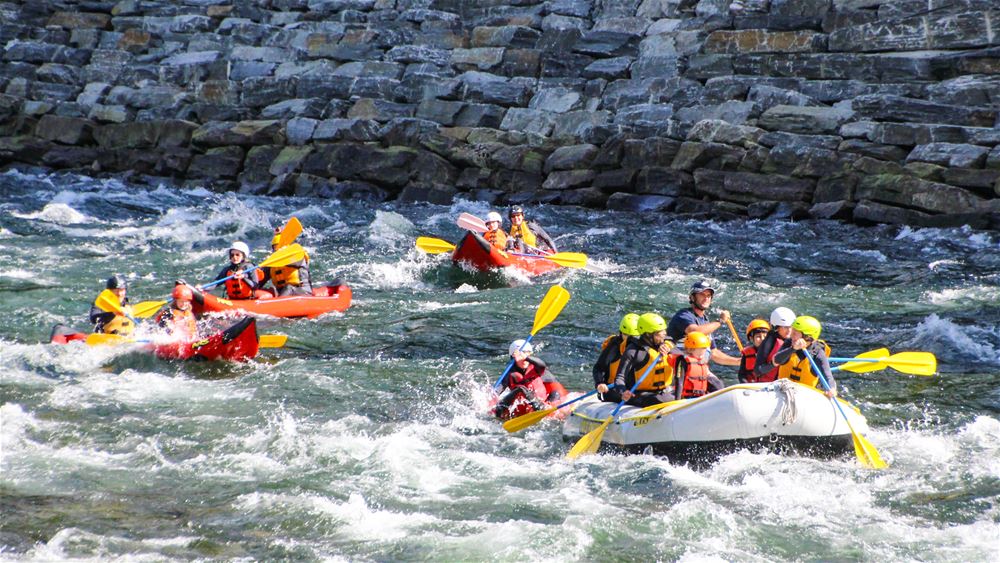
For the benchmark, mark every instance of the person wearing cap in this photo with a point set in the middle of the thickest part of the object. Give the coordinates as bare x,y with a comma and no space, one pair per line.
494,234
178,317
765,369
528,236
112,322
649,351
692,378
527,378
291,279
792,361
246,276
757,330
612,348
695,319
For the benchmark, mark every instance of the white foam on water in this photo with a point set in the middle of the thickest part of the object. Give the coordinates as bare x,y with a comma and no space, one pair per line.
964,236
435,306
404,273
69,543
390,229
963,297
875,254
58,213
143,389
466,288
598,231
938,263
940,333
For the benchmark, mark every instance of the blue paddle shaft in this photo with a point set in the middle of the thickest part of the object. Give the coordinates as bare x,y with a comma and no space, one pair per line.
511,364
635,386
826,386
870,360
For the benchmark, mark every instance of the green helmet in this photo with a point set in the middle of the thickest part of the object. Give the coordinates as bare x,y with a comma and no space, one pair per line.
629,325
651,322
808,326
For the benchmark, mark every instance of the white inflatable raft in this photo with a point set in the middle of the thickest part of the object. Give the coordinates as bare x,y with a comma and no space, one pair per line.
780,416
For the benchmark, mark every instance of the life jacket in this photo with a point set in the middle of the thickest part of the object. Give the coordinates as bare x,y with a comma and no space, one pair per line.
497,238
524,233
531,377
288,275
695,373
658,379
613,366
120,325
749,361
800,370
773,374
240,289
178,322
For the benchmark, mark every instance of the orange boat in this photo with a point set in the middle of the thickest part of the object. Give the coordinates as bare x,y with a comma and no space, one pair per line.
475,251
325,299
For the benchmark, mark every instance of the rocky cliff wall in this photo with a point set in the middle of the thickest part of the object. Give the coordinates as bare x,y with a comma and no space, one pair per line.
867,110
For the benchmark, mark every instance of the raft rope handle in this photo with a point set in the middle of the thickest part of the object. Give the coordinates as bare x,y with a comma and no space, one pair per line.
789,409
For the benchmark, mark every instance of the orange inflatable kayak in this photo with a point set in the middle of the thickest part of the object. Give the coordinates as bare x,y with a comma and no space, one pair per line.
325,299
475,251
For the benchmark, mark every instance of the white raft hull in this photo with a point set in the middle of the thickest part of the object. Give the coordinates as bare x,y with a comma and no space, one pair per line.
780,416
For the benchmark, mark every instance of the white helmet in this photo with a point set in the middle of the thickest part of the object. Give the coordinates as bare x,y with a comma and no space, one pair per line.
242,247
782,316
493,216
517,345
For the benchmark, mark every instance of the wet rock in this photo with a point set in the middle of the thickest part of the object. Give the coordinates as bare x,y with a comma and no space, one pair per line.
224,162
717,156
807,120
570,157
951,31
898,108
245,133
949,154
746,188
920,194
663,181
441,195
65,130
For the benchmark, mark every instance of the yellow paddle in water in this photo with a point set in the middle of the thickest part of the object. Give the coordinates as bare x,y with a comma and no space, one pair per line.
97,339
550,307
434,245
913,363
532,418
470,222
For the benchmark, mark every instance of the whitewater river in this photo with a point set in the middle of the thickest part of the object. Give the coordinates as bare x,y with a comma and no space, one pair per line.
364,439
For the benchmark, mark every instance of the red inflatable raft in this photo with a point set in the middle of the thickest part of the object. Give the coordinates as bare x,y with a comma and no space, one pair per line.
325,299
521,405
475,251
236,343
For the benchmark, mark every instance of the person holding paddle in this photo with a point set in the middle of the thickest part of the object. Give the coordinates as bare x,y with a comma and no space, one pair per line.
113,321
178,319
291,279
606,367
245,276
494,234
765,369
526,379
757,331
793,358
528,236
695,319
651,347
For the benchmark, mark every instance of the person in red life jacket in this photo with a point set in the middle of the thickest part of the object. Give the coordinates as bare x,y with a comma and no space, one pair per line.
695,319
246,276
178,318
792,361
606,367
494,234
528,236
291,279
756,332
765,369
110,322
526,379
651,348
692,378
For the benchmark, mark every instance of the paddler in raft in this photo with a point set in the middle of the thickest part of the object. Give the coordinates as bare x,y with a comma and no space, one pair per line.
527,381
695,319
612,348
764,368
494,234
692,378
792,361
528,236
638,354
757,331
177,318
110,322
292,279
246,276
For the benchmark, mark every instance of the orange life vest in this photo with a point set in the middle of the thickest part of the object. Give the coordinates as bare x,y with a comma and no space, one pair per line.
178,322
239,289
497,238
695,373
613,366
749,361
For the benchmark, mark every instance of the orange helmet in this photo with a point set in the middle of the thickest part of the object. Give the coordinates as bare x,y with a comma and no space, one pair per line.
757,324
697,340
182,293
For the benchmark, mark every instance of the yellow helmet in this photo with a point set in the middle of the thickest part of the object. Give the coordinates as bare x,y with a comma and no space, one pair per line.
757,324
629,325
651,322
808,326
697,340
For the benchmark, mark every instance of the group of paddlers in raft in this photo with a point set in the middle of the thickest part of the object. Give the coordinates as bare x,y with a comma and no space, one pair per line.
681,352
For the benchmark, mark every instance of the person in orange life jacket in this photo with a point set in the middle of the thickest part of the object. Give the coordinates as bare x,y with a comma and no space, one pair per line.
611,352
494,234
109,322
247,276
527,379
756,332
651,347
695,319
692,378
178,318
292,279
792,361
528,237
765,369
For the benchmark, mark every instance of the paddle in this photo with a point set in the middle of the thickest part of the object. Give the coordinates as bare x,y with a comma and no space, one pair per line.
107,301
736,335
434,245
272,340
867,453
532,418
280,257
913,363
291,231
567,259
97,339
470,222
591,441
550,307
147,309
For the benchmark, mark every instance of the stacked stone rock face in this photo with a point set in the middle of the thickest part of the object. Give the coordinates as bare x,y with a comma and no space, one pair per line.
866,110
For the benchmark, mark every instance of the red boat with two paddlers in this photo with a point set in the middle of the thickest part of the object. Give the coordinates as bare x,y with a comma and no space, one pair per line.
325,299
478,253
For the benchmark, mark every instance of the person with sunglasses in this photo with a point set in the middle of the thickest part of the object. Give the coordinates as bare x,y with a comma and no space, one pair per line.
246,276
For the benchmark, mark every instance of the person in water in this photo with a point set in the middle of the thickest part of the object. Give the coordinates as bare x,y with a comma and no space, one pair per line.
526,379
792,361
691,377
695,319
494,234
650,348
765,369
528,236
292,279
246,276
111,322
178,317
612,348
757,330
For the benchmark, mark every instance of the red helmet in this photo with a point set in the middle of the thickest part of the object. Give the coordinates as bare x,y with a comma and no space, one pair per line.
182,293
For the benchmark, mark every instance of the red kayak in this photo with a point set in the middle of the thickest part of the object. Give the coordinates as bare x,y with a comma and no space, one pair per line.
522,405
236,343
325,299
475,251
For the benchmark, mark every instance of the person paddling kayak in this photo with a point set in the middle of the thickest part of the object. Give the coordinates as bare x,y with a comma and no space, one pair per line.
111,322
246,276
292,279
528,236
178,317
494,234
526,381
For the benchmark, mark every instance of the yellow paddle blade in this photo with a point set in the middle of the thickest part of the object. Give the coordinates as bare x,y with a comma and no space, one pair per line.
866,452
284,257
864,367
569,259
290,232
550,307
98,339
526,420
272,340
107,301
590,441
147,309
913,363
434,245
